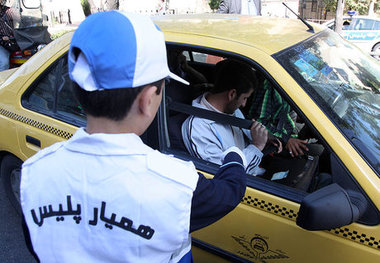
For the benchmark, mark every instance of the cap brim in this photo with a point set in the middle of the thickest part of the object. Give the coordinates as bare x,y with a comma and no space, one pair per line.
179,79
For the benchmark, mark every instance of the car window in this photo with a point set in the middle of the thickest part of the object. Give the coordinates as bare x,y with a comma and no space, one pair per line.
199,57
279,174
276,171
346,88
377,25
364,24
51,94
205,58
355,24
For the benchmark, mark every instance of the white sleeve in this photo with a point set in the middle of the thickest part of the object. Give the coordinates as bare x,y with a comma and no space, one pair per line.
201,141
253,156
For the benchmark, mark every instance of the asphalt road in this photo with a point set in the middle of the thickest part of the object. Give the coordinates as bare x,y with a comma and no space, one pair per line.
12,244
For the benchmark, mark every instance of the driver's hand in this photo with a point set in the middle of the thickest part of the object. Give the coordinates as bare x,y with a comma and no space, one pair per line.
296,147
5,38
259,135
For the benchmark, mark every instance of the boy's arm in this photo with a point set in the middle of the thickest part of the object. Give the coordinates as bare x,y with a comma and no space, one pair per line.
215,198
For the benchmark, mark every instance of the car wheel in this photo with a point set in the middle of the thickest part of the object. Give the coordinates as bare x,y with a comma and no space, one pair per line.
11,177
376,51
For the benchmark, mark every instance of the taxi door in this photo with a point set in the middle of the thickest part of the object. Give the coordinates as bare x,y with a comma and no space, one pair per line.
52,112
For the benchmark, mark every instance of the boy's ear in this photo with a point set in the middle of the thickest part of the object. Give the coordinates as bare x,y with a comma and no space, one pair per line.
146,100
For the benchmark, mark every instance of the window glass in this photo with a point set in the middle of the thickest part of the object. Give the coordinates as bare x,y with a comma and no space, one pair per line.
66,103
53,96
189,134
42,98
206,58
199,57
346,85
187,55
364,24
377,25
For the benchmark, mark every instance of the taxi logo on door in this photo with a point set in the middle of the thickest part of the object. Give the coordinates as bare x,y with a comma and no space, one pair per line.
257,248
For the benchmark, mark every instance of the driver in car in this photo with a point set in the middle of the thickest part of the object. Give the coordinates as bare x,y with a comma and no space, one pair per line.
207,139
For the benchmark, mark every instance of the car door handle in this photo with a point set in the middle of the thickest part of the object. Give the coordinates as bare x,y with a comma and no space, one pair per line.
33,141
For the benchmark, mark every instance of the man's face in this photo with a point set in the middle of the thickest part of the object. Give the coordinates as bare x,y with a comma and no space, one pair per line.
238,102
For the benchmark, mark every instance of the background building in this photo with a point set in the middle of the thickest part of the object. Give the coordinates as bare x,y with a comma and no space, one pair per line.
63,12
152,7
315,10
277,9
71,11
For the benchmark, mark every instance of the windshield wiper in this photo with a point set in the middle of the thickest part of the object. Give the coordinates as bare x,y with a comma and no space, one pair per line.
311,29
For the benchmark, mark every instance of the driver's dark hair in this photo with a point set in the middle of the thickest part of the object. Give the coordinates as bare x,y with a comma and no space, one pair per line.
113,104
233,74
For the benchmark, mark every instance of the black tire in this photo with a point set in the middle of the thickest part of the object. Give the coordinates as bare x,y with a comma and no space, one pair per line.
376,49
11,177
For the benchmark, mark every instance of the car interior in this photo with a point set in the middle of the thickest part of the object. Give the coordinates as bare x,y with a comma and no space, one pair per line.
306,173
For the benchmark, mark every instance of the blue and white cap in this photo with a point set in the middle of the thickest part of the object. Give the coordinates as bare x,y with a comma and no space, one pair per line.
118,50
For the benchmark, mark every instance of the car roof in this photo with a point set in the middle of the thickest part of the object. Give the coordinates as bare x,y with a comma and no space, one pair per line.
268,34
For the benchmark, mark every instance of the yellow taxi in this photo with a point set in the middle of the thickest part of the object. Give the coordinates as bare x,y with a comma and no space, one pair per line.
329,84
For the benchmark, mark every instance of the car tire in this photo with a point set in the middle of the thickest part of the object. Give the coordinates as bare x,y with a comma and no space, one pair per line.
376,49
11,177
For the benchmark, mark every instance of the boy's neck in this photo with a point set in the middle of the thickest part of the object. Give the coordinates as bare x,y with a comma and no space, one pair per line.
105,125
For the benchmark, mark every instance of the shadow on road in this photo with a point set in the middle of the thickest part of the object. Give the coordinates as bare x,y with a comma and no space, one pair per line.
12,243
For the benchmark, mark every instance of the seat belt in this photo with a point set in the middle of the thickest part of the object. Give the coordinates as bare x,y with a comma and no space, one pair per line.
209,115
215,116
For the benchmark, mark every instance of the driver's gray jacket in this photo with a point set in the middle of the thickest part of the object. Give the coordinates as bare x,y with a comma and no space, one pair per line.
207,139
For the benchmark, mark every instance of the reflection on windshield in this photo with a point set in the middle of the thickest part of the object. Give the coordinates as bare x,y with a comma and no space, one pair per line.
346,85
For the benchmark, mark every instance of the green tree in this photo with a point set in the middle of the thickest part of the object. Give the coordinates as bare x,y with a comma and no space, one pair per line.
360,6
214,4
90,7
330,5
85,7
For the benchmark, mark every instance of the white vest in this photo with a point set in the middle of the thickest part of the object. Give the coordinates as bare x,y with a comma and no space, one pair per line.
107,198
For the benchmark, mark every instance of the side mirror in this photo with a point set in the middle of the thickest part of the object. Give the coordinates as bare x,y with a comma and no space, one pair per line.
329,207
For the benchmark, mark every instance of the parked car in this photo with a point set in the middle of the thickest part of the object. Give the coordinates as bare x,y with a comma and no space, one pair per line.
30,33
331,85
363,31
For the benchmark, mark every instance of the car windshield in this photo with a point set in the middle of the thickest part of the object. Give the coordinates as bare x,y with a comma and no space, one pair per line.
345,83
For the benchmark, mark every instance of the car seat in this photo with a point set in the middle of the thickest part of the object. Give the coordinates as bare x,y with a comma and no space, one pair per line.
181,93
